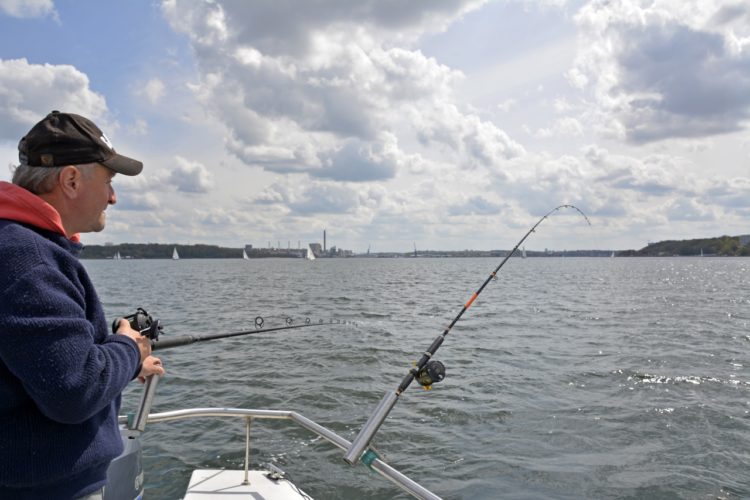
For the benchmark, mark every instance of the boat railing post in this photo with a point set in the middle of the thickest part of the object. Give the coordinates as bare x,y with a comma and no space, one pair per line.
247,449
147,399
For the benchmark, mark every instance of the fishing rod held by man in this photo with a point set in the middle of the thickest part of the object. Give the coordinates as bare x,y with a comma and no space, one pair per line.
141,321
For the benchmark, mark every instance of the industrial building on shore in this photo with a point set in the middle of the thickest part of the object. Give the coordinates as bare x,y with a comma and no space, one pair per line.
297,253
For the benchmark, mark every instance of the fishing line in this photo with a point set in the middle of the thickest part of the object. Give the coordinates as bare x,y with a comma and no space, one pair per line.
427,371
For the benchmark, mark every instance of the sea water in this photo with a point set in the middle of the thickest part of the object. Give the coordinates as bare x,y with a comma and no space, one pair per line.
568,377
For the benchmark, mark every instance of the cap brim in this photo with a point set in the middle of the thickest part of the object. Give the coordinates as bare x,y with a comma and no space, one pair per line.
123,165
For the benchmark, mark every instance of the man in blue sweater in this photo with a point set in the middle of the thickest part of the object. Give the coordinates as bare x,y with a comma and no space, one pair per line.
61,372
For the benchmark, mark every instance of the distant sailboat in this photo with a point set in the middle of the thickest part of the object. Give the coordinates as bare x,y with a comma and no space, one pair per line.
701,252
310,255
175,255
523,253
613,254
244,255
117,256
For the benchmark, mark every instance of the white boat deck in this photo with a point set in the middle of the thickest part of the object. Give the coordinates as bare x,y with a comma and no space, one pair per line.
218,484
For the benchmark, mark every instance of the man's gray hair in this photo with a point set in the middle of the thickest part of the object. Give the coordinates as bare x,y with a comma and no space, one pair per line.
42,180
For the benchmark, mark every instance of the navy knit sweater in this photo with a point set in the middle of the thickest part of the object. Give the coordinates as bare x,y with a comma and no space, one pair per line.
61,373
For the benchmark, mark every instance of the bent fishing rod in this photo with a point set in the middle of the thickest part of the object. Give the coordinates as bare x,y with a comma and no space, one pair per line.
142,322
426,371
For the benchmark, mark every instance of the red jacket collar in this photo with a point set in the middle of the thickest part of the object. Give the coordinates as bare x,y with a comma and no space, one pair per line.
23,206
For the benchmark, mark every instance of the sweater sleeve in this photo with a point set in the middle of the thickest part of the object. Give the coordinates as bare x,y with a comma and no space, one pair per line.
47,342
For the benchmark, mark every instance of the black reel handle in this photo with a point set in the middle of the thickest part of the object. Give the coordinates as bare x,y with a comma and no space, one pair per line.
142,322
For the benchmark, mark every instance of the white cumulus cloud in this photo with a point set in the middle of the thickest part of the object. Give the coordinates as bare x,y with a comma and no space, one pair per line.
27,8
152,90
28,92
315,88
660,69
190,176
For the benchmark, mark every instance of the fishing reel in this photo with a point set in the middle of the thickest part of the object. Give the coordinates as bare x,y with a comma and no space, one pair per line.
142,322
431,373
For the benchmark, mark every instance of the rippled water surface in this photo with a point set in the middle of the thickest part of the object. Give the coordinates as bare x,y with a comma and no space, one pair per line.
567,378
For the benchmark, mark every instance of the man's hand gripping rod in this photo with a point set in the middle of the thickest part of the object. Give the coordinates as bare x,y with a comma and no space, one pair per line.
142,322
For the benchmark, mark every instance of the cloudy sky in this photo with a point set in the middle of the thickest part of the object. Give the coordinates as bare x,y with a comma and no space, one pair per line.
449,125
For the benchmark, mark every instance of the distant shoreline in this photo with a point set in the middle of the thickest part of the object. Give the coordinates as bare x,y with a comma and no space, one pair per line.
723,246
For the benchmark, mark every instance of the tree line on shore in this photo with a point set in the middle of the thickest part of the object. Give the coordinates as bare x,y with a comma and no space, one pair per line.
725,246
159,251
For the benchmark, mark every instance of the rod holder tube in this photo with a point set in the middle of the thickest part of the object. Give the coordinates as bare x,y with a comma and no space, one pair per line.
372,425
147,399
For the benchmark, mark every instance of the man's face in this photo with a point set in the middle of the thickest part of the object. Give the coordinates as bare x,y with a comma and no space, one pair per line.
96,195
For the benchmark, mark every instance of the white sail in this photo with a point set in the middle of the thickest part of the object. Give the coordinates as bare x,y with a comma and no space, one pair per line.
117,256
244,255
310,255
175,255
523,253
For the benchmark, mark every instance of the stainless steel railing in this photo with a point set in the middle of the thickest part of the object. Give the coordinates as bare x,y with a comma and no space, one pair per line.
378,465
